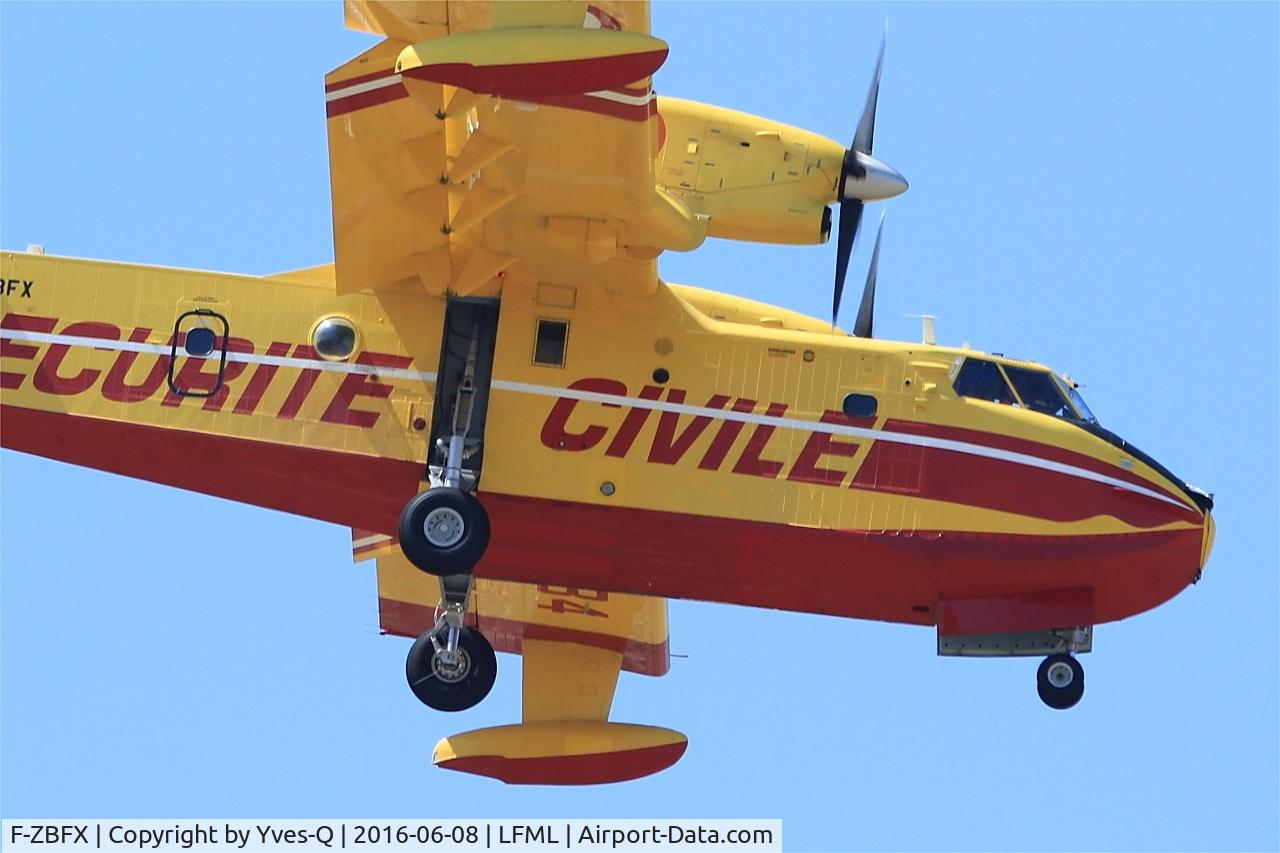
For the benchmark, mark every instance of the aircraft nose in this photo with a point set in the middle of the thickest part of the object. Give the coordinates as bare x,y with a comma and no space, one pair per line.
1206,544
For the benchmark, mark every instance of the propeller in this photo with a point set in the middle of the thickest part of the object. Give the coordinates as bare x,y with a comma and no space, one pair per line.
863,178
867,307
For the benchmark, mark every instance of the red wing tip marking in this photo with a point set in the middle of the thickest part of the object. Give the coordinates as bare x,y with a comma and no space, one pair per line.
590,769
559,77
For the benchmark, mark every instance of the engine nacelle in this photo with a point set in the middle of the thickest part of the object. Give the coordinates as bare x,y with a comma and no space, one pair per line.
752,178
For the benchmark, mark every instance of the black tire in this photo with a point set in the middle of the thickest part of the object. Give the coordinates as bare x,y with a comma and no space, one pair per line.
1060,696
444,557
450,692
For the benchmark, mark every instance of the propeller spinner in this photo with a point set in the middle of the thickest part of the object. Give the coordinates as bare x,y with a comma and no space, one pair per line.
863,178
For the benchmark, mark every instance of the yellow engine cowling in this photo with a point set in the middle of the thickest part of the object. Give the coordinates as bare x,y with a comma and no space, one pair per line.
751,178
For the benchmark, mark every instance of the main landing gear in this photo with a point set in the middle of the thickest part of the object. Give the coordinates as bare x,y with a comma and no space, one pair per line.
444,530
451,669
1060,678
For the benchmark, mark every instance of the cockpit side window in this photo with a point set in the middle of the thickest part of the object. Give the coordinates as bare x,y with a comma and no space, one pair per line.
1039,392
982,380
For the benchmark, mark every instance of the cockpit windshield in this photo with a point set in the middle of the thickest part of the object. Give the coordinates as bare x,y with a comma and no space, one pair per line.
1037,390
1086,414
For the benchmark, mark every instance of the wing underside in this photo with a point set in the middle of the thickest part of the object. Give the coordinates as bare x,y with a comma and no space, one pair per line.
536,159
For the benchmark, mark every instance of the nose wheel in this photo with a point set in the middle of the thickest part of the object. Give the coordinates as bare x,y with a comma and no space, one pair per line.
1060,681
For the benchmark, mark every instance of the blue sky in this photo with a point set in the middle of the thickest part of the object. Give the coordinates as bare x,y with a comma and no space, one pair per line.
1092,185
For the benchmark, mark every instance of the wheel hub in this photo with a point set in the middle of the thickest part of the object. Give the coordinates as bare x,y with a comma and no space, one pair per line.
444,527
1060,675
451,667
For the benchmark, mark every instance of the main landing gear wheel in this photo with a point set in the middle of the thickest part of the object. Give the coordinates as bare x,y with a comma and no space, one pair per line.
444,531
451,681
1060,681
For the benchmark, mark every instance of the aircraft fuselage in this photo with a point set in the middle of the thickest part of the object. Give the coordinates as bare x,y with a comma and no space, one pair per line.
689,445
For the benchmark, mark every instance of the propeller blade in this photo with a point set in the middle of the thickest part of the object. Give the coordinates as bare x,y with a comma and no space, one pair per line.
850,216
864,136
867,308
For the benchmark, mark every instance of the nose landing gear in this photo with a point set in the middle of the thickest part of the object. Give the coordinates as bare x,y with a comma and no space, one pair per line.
1060,678
1060,681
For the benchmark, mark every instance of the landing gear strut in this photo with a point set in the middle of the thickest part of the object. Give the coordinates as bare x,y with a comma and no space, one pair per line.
1060,678
444,531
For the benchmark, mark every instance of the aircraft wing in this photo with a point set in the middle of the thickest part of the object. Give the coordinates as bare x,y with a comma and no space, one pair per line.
480,141
574,643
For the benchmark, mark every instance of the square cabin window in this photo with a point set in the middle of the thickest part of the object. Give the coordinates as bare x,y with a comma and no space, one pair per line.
549,343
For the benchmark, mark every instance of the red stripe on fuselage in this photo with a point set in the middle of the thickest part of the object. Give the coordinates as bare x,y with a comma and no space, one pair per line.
1013,444
892,576
871,575
344,488
962,477
968,479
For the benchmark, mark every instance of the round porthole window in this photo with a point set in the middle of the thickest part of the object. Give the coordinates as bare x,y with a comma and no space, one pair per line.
199,342
334,338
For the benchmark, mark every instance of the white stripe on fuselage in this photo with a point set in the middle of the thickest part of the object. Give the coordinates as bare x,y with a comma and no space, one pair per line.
621,400
241,357
834,429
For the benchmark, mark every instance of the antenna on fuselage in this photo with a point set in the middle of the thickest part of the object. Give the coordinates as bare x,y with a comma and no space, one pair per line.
926,328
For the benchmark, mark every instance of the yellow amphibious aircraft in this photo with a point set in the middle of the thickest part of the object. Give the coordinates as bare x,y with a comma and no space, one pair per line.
539,441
